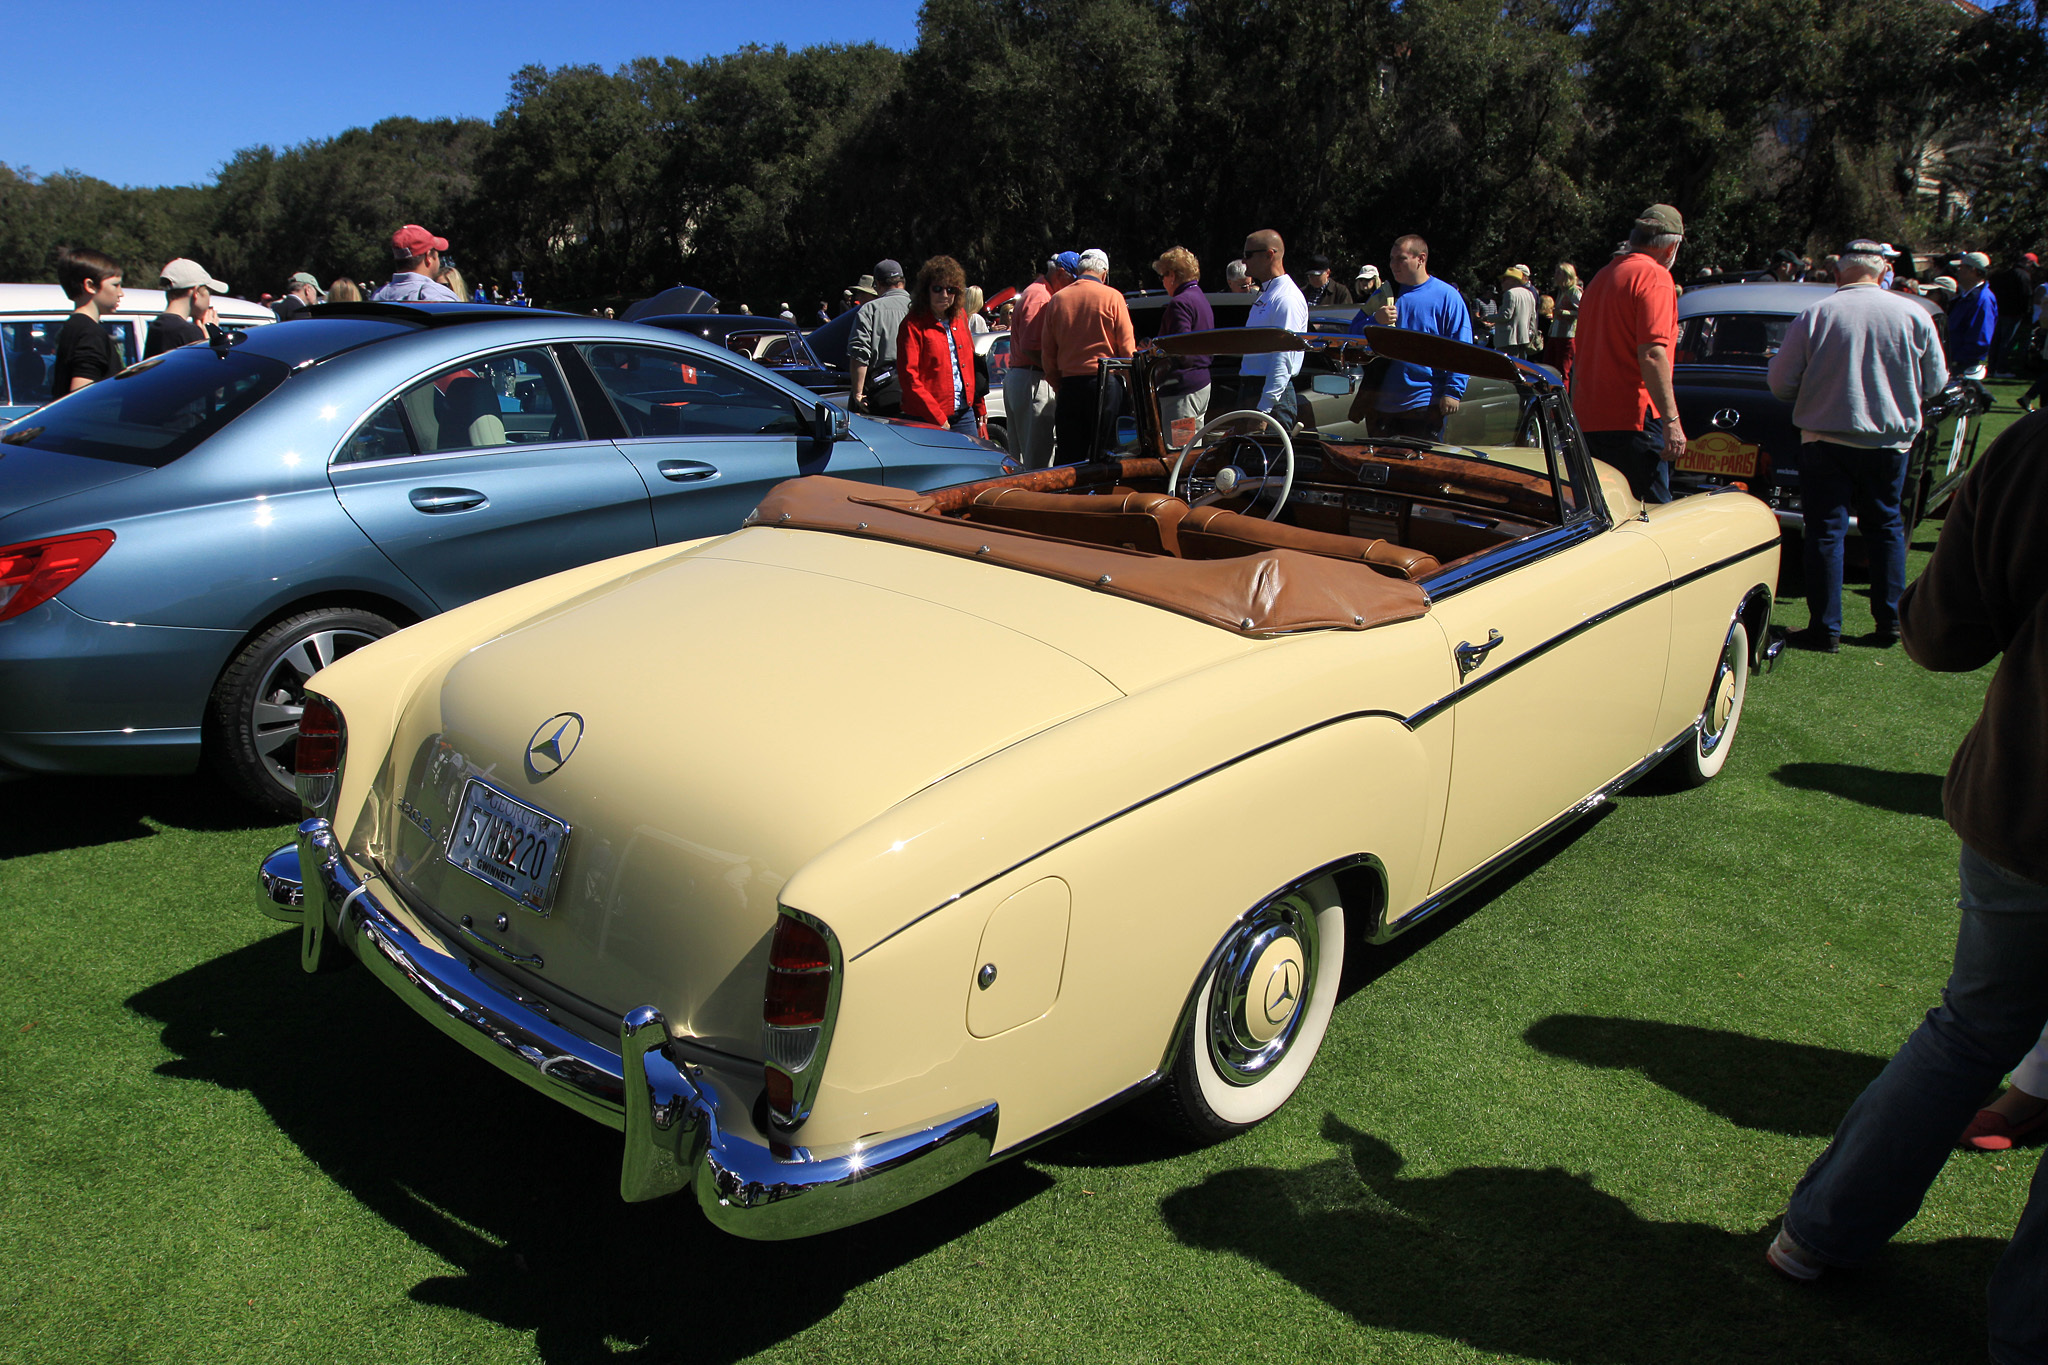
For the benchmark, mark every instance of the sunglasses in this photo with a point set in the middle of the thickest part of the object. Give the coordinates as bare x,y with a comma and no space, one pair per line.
944,289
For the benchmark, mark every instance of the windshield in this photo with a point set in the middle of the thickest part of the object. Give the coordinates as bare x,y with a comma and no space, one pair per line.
1745,339
150,414
1353,412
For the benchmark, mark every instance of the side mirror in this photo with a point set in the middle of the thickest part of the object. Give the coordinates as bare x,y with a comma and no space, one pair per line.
830,424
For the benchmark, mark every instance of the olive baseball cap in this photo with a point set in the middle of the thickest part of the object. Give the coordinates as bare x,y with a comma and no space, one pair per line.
1662,218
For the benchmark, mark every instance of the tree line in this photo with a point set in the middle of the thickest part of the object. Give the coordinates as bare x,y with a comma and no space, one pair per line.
1502,130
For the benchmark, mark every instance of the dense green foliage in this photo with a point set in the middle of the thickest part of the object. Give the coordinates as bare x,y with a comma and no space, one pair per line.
1504,130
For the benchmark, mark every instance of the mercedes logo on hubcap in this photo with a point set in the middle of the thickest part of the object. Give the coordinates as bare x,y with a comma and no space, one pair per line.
553,742
1283,990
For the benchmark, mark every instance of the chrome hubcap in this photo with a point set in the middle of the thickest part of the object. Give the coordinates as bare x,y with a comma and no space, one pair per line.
281,700
1722,696
1262,988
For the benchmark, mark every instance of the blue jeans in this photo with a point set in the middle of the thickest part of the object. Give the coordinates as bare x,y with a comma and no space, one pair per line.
1869,1182
1639,455
965,421
1831,478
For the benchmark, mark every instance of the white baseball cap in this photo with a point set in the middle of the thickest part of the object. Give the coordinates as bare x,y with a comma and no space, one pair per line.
188,274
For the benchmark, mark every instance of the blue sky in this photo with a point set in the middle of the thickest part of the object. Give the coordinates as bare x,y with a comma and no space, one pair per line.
161,92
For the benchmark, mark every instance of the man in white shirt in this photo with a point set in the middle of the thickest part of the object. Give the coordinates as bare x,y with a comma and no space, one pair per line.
1267,381
416,260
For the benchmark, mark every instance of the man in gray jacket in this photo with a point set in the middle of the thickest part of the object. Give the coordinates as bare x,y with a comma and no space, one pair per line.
1856,367
873,344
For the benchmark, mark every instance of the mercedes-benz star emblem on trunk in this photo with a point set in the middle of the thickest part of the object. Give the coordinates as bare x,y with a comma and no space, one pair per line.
553,742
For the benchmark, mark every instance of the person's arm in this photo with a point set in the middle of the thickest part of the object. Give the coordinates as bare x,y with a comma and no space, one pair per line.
1049,348
1449,385
1944,621
860,355
1126,336
1933,369
1655,359
910,343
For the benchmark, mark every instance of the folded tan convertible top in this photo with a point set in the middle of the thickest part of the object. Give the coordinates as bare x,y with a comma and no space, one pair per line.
1271,593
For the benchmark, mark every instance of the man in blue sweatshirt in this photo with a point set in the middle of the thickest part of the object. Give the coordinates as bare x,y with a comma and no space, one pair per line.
1414,400
1972,318
1856,367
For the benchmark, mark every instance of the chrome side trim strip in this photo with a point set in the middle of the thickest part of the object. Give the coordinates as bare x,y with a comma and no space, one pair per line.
1421,717
1384,929
1118,815
1437,707
673,1113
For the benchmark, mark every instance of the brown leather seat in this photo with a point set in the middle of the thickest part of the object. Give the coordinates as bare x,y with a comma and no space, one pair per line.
1213,533
1134,521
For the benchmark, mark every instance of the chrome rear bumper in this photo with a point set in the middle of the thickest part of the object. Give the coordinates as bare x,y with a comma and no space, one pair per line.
669,1110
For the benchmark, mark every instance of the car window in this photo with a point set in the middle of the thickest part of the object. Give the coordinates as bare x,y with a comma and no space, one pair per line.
28,350
1746,339
660,392
151,413
513,398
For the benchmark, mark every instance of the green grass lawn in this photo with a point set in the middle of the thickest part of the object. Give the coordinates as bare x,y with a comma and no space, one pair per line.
1555,1124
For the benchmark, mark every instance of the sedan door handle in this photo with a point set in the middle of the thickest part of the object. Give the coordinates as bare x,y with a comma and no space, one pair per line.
1470,656
686,471
446,499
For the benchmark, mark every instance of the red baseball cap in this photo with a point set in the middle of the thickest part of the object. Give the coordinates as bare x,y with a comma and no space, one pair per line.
2031,259
412,241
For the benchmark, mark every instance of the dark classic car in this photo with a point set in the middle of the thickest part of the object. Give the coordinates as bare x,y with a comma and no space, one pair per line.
772,343
1740,434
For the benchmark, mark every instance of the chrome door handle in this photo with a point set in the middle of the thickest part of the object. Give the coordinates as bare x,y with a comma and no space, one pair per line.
686,471
1470,656
446,499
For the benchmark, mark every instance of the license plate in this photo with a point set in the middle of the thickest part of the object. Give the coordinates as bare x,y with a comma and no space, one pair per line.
1719,453
500,840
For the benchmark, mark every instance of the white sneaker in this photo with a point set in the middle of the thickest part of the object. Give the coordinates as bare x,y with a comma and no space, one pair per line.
1789,1258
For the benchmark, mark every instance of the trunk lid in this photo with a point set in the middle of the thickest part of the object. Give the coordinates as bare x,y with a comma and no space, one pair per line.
736,718
29,477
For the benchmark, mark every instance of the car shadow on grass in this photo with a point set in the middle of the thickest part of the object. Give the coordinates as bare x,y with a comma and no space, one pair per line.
517,1191
1900,793
53,814
1759,1083
1541,1263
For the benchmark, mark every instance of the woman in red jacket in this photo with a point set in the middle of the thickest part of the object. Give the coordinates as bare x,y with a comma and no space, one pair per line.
935,352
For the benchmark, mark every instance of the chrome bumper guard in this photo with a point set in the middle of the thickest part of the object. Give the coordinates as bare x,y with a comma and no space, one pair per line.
670,1110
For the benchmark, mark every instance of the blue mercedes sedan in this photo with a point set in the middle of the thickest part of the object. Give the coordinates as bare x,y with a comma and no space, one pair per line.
183,545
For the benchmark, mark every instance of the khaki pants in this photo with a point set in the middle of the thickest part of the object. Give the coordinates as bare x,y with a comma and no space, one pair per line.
1028,408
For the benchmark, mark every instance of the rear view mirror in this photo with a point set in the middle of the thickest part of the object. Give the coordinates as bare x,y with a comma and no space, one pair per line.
1335,385
830,424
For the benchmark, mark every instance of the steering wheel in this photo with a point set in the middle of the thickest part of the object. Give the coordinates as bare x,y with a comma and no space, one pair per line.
1222,487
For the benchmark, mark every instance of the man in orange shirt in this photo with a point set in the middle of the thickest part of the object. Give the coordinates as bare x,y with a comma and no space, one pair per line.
1084,323
1621,374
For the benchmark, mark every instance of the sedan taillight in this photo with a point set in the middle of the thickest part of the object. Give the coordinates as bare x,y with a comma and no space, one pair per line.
796,1015
35,571
318,753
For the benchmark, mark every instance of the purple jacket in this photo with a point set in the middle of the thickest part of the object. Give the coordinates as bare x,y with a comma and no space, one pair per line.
1187,311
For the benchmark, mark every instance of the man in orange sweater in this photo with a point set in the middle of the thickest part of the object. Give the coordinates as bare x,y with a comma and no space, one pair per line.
1085,322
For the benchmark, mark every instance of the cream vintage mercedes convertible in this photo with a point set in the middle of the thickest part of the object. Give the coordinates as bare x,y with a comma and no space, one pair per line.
838,857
